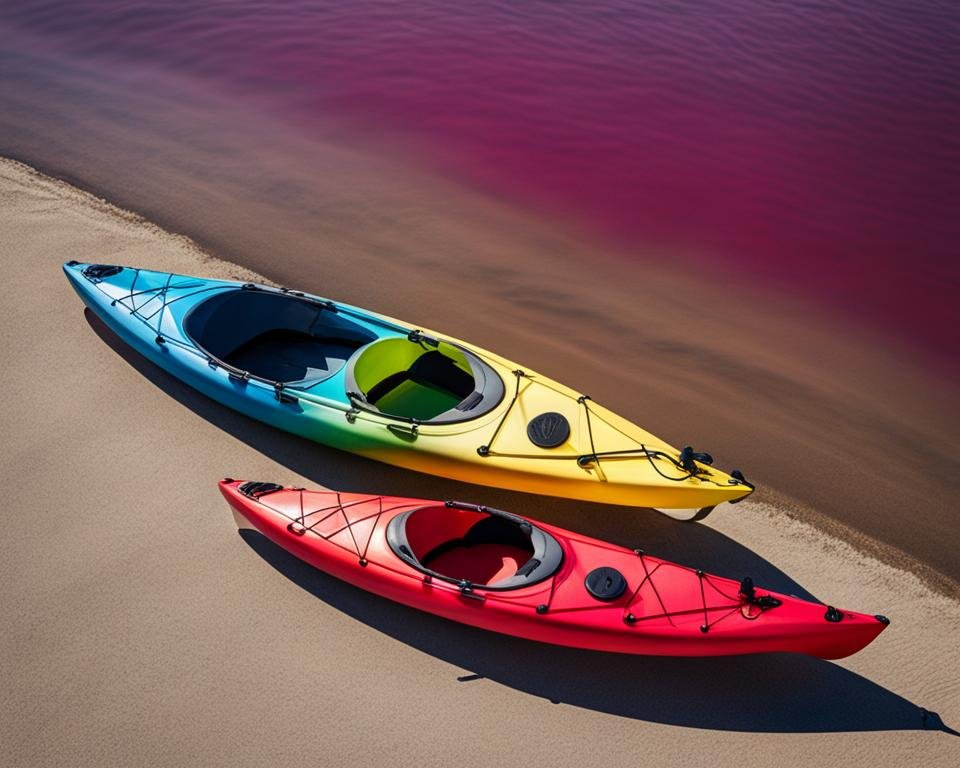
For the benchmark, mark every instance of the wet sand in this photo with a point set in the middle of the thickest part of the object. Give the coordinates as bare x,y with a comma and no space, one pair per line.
140,628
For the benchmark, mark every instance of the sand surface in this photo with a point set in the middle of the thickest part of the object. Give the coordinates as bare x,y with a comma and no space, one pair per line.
139,628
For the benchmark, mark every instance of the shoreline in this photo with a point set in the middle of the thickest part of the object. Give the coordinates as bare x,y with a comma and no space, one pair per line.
795,508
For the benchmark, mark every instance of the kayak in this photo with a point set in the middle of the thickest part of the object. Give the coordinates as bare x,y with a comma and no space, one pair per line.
508,574
369,384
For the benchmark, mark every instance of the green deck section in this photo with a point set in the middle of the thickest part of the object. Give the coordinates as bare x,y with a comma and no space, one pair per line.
416,401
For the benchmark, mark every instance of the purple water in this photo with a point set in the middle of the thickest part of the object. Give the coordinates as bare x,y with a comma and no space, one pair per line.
812,144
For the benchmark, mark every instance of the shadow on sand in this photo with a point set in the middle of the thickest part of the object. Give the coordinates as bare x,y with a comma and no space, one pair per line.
767,693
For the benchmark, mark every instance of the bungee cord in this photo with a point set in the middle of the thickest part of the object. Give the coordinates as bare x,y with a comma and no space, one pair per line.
594,457
484,450
298,525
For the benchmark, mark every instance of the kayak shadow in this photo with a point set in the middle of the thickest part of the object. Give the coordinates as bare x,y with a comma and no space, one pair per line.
689,544
766,693
772,693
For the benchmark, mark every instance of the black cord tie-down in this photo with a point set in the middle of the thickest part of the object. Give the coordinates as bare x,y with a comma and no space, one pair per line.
748,594
419,337
689,459
283,397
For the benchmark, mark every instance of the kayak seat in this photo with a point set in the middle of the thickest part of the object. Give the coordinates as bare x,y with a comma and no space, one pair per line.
481,564
287,356
486,548
490,530
404,377
492,549
431,385
434,370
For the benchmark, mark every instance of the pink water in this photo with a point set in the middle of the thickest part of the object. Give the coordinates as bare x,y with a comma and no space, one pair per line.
812,144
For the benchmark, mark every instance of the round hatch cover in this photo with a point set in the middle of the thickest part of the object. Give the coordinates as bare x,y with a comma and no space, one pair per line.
100,271
605,583
548,430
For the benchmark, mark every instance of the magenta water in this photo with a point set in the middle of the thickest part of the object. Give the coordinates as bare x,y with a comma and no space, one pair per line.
814,144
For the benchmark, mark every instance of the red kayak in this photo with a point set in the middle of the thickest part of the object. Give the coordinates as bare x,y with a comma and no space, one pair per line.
508,574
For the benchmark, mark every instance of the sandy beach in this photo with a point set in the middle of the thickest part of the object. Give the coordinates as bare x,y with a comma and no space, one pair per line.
140,628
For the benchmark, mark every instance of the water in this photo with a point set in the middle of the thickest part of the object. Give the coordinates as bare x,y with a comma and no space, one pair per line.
814,145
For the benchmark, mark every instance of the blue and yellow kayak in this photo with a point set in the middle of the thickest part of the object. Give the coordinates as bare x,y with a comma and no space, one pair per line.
366,383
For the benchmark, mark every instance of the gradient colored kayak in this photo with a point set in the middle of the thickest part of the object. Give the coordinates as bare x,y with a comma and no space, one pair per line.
509,574
369,384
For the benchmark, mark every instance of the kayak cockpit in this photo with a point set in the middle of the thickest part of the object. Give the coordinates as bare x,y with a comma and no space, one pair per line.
275,336
481,547
423,379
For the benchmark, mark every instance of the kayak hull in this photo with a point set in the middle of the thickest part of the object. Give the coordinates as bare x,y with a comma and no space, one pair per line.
148,311
661,614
